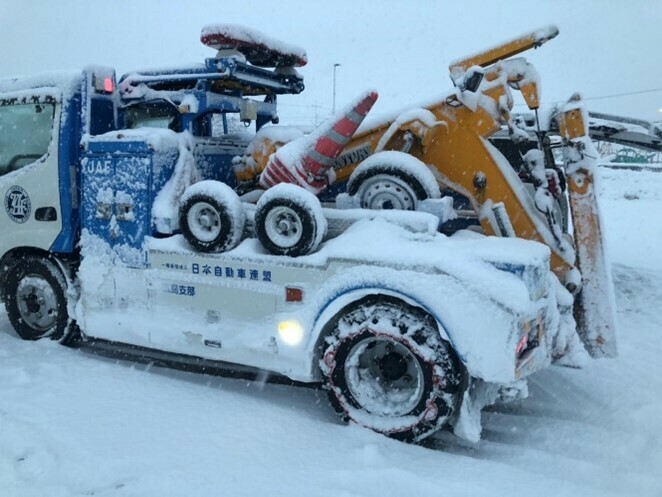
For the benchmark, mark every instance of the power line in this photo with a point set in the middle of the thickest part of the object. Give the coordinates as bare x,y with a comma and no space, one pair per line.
639,92
602,97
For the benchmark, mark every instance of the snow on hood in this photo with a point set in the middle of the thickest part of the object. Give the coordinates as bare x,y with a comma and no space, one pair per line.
384,119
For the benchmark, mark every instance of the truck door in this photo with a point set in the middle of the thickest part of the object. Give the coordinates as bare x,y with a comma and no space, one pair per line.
29,182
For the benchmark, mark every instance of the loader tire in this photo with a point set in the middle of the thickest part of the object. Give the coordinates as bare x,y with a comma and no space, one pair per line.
388,369
36,300
211,217
380,183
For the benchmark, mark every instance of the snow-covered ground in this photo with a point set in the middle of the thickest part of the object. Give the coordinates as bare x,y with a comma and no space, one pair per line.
76,424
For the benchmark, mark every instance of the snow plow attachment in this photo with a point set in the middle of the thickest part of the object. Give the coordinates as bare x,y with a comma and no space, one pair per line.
594,303
308,161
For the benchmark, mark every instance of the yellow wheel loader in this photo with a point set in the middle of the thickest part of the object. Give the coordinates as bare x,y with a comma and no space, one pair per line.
450,138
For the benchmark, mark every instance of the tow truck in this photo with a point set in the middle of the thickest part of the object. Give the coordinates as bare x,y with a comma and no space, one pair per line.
117,232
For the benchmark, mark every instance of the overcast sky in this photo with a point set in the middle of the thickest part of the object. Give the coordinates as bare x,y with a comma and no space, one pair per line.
400,48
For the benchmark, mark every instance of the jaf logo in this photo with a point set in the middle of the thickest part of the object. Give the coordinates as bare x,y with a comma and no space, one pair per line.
17,204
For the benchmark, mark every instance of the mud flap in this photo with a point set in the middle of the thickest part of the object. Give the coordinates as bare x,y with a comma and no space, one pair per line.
467,424
594,305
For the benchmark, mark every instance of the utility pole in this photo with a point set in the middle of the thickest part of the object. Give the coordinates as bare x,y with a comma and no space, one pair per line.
335,66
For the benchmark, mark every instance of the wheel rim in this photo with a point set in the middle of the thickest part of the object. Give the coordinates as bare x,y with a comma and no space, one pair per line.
204,221
384,377
37,302
283,226
386,192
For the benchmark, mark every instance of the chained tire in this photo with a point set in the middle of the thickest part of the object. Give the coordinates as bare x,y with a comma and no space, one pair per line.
392,180
289,221
388,369
211,217
36,300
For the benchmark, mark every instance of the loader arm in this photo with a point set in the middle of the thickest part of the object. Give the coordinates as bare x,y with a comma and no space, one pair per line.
505,50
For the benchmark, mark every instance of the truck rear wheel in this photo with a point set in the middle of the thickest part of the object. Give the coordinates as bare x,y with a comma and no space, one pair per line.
36,300
211,217
289,221
388,369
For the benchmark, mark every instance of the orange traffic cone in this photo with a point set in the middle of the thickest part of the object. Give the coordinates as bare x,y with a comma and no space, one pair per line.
307,161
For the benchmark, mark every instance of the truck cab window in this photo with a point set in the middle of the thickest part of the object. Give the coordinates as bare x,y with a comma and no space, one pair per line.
212,125
152,116
26,131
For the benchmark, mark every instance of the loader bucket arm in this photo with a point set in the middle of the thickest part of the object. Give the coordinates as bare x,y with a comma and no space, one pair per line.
503,51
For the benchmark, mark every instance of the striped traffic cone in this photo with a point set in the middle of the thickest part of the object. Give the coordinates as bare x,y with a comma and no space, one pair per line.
307,161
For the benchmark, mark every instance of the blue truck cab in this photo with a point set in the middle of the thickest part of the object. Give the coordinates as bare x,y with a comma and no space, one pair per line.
80,151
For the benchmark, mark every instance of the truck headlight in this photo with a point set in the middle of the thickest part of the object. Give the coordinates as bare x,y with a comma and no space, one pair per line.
290,332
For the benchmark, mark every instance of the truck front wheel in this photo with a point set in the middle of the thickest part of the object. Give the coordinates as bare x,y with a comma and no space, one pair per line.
36,300
388,369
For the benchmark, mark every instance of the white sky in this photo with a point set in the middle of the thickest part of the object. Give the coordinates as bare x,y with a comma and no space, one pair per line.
400,48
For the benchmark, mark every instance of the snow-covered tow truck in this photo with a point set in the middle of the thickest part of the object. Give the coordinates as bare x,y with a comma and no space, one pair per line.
409,330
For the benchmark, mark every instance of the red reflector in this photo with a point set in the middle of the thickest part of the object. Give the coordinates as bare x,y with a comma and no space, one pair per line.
293,294
108,85
522,345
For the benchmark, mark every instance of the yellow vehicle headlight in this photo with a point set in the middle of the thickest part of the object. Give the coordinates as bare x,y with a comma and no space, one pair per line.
290,332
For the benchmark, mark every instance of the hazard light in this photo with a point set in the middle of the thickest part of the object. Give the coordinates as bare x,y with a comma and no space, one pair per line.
521,346
104,83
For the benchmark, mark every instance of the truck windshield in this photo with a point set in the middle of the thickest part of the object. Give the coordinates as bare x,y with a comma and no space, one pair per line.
26,131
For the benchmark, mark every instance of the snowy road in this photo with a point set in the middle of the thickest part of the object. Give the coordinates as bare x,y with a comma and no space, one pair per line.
74,424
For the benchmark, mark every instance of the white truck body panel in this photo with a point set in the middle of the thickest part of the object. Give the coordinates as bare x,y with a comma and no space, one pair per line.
228,307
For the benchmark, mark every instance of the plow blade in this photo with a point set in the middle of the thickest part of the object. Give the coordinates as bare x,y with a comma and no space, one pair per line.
594,305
